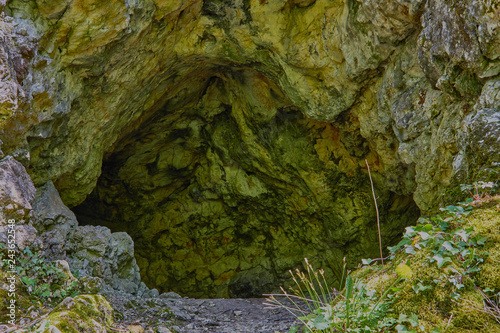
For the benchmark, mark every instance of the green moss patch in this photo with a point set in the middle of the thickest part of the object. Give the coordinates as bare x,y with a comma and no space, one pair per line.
454,260
84,313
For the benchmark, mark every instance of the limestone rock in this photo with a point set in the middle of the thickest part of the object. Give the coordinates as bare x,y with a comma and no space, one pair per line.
170,294
95,251
120,255
52,9
50,207
90,285
11,65
84,313
483,128
53,229
25,235
438,54
54,221
16,195
486,14
135,329
16,192
163,329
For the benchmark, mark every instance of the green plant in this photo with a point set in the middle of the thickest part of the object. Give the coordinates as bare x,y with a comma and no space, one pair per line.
43,279
357,309
446,241
3,262
479,190
450,241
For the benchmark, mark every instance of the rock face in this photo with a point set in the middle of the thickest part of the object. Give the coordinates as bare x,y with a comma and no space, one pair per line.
92,251
43,223
229,138
16,195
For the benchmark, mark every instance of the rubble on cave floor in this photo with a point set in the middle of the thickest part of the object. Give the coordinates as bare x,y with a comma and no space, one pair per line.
170,311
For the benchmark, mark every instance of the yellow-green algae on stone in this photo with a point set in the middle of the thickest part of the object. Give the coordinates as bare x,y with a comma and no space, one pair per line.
84,313
435,307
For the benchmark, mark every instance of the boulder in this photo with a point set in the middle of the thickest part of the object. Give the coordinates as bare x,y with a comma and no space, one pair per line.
84,313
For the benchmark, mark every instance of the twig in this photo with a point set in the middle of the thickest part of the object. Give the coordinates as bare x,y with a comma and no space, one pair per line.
118,329
376,208
295,296
489,306
449,322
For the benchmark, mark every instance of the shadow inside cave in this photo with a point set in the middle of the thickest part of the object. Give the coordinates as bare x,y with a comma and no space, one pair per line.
225,193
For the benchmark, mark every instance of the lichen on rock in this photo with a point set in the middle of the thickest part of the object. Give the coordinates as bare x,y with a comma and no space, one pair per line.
84,313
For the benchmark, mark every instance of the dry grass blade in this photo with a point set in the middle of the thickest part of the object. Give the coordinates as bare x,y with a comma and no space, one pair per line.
490,307
310,295
376,208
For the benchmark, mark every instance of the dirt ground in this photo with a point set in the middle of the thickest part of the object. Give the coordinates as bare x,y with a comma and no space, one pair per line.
176,314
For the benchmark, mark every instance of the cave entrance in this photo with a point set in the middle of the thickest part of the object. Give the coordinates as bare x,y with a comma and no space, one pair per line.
226,193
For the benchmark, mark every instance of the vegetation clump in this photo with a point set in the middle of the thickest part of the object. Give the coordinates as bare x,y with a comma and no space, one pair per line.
44,280
38,285
441,277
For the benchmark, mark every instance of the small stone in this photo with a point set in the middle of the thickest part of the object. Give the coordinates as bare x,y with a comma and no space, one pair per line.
153,293
163,329
24,321
170,294
90,285
238,313
136,329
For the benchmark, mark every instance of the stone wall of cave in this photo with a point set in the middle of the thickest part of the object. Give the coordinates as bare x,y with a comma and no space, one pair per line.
225,194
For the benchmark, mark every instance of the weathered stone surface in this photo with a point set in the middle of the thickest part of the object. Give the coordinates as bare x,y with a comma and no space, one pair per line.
54,221
93,251
90,285
44,223
483,134
10,90
229,138
69,278
448,39
16,195
122,263
16,191
84,313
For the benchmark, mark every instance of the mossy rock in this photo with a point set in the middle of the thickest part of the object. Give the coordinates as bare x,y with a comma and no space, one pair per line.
435,304
90,285
84,313
486,221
